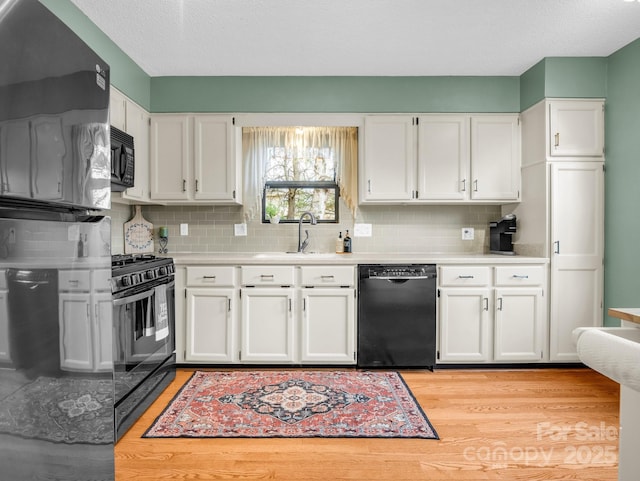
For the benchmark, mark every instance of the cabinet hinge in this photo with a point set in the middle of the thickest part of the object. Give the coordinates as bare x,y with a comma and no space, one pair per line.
185,293
438,355
240,293
233,121
239,355
417,120
604,168
354,355
234,194
438,292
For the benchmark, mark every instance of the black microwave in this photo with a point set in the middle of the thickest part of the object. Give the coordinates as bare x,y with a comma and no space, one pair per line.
122,160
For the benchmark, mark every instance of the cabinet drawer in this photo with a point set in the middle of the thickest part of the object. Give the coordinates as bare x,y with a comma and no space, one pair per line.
267,276
211,276
74,280
465,276
327,275
101,279
519,275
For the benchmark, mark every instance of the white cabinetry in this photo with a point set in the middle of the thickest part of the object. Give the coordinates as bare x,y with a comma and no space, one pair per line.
5,355
210,314
86,320
576,129
492,314
563,204
267,324
441,159
131,118
328,315
193,159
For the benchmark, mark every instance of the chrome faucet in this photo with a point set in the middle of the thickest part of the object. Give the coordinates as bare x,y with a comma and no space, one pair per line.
302,245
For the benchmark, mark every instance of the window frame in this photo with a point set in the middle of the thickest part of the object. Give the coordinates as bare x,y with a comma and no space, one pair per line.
302,184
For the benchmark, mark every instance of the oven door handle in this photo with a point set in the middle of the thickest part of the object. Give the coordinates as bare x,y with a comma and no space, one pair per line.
134,298
141,295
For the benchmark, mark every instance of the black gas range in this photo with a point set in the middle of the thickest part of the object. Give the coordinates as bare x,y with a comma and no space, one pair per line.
143,288
130,270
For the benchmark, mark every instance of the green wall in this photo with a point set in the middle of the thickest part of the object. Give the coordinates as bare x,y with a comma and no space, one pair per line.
335,94
622,192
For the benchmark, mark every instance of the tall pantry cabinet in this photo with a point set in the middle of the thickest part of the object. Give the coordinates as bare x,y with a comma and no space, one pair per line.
562,211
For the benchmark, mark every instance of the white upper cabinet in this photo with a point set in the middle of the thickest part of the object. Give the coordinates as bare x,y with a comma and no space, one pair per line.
576,128
441,159
193,159
131,118
495,157
389,158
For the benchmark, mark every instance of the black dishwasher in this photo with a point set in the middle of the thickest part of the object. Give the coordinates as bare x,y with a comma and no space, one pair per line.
397,316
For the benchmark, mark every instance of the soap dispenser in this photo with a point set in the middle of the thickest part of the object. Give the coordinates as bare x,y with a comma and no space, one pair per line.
339,244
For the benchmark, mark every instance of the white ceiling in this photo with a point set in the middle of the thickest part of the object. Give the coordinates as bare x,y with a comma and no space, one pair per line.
360,37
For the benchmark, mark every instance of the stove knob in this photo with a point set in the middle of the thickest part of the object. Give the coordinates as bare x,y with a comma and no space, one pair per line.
135,279
125,281
163,271
150,275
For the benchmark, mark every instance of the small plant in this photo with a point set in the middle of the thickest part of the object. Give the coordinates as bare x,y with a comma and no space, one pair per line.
271,212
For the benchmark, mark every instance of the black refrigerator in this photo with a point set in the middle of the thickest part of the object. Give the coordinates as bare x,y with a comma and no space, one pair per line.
56,356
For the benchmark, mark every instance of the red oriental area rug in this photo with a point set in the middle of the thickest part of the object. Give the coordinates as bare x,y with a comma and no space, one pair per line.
305,404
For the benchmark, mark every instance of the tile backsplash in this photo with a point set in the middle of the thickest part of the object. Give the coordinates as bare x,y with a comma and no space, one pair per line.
404,228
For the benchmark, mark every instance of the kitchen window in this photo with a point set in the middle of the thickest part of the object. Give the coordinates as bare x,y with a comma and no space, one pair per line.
298,169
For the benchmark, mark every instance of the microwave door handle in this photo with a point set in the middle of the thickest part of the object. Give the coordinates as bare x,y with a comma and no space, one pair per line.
123,161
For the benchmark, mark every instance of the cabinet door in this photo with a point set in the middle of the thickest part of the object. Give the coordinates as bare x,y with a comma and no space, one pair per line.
48,154
519,324
103,332
443,158
328,326
5,355
267,325
495,157
577,239
464,325
15,154
576,128
389,159
170,157
118,110
76,338
210,326
138,127
214,153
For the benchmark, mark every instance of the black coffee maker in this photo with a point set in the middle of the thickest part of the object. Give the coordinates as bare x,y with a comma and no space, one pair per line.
501,234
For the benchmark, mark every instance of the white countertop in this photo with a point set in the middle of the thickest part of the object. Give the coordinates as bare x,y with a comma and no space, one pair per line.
244,258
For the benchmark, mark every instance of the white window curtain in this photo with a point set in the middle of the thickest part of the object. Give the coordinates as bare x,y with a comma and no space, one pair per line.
256,142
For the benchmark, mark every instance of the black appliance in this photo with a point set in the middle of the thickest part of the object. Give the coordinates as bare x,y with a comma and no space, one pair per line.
397,316
501,235
122,160
144,333
56,381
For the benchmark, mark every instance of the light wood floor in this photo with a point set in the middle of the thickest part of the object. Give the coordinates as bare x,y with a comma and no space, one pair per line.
544,424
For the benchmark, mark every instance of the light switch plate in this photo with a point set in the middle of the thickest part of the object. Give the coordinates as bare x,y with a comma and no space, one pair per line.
240,229
184,229
468,233
362,230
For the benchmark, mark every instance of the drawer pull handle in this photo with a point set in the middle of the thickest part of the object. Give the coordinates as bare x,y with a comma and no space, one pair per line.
74,282
466,277
327,277
267,276
208,277
500,302
486,303
516,276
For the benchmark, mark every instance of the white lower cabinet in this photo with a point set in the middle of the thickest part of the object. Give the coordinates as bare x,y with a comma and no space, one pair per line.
5,354
267,325
86,320
492,314
210,314
328,326
270,314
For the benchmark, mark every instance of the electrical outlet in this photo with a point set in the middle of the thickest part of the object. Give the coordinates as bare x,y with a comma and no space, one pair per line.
240,229
468,233
184,229
361,230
